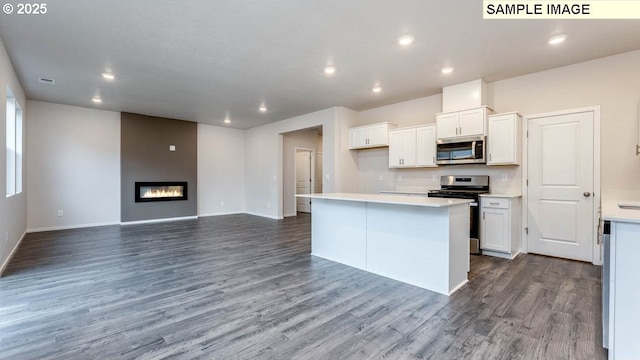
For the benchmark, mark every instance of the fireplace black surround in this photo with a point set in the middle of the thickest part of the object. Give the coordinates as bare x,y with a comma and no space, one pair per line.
160,191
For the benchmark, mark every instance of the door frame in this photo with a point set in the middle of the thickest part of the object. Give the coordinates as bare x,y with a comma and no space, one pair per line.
596,253
295,172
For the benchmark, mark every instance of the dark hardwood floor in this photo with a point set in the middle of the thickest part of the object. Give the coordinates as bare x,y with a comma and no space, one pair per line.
244,287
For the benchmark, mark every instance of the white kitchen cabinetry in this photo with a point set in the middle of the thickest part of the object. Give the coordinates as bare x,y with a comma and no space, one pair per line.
426,146
503,139
412,147
370,136
500,226
624,291
470,122
402,148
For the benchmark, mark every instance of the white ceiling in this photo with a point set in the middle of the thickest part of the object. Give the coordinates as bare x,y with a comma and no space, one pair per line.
201,59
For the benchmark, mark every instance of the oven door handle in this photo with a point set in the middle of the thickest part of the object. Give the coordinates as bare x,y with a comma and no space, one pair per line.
473,204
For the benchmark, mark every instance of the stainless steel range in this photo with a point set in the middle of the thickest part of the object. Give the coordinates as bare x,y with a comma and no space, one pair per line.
466,187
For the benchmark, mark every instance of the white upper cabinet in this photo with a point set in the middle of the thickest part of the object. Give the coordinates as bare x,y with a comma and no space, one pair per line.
370,136
470,122
402,148
412,147
426,146
503,139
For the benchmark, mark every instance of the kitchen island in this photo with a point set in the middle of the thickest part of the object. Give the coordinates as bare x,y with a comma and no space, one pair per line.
417,240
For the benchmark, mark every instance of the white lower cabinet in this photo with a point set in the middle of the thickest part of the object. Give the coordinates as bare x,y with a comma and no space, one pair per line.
500,226
624,291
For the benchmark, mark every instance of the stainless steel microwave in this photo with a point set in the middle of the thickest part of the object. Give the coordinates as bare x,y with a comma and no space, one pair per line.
461,150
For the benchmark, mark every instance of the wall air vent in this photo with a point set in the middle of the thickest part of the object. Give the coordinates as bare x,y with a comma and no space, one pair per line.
47,81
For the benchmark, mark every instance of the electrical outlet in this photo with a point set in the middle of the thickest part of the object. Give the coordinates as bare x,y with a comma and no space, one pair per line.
268,204
399,177
504,177
6,237
60,213
221,203
381,178
434,178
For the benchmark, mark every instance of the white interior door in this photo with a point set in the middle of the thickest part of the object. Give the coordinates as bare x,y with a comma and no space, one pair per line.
561,185
303,179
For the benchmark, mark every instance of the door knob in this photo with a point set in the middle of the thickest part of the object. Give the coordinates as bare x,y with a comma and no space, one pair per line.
586,194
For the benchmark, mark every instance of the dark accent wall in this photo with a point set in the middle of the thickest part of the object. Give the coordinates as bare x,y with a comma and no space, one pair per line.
145,156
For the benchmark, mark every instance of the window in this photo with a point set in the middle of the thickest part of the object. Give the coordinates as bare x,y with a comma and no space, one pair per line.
14,145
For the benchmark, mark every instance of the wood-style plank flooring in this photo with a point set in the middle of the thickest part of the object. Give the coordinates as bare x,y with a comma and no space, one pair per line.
245,287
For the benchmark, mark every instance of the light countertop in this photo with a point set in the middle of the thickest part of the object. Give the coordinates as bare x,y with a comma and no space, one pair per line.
390,199
612,212
502,195
398,192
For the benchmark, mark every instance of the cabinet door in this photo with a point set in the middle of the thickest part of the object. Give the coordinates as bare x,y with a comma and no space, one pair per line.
502,140
426,146
395,148
357,138
447,125
472,122
377,135
409,148
495,230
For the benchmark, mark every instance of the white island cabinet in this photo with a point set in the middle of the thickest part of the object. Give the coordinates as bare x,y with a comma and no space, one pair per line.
421,241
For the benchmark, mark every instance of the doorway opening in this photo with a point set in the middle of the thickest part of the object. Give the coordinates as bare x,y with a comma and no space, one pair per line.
301,170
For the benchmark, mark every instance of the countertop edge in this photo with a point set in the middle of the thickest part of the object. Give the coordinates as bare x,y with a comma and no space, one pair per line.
391,200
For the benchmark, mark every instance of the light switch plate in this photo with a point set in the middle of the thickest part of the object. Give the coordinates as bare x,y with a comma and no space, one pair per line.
172,148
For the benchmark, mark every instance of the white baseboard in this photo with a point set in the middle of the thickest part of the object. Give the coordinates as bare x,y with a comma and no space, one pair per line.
290,215
152,221
15,248
221,214
264,216
67,227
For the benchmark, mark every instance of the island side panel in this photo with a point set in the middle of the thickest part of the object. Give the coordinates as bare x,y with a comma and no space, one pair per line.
410,244
459,257
338,231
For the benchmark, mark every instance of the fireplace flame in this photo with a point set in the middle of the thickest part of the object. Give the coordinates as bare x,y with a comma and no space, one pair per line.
163,192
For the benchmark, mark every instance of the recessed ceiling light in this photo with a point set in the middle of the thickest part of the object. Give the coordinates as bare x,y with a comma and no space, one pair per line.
262,108
557,39
97,100
447,70
405,40
376,89
330,70
108,76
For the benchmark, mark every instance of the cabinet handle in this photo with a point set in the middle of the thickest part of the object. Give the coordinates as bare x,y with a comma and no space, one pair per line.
483,215
489,157
434,159
494,203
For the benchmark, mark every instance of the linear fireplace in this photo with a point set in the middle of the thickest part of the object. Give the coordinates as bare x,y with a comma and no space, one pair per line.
161,191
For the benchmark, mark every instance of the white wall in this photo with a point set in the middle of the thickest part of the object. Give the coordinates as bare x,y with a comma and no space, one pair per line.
612,82
264,158
13,210
307,139
221,169
73,166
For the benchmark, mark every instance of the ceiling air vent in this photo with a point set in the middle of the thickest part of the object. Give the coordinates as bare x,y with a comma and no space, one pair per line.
47,81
